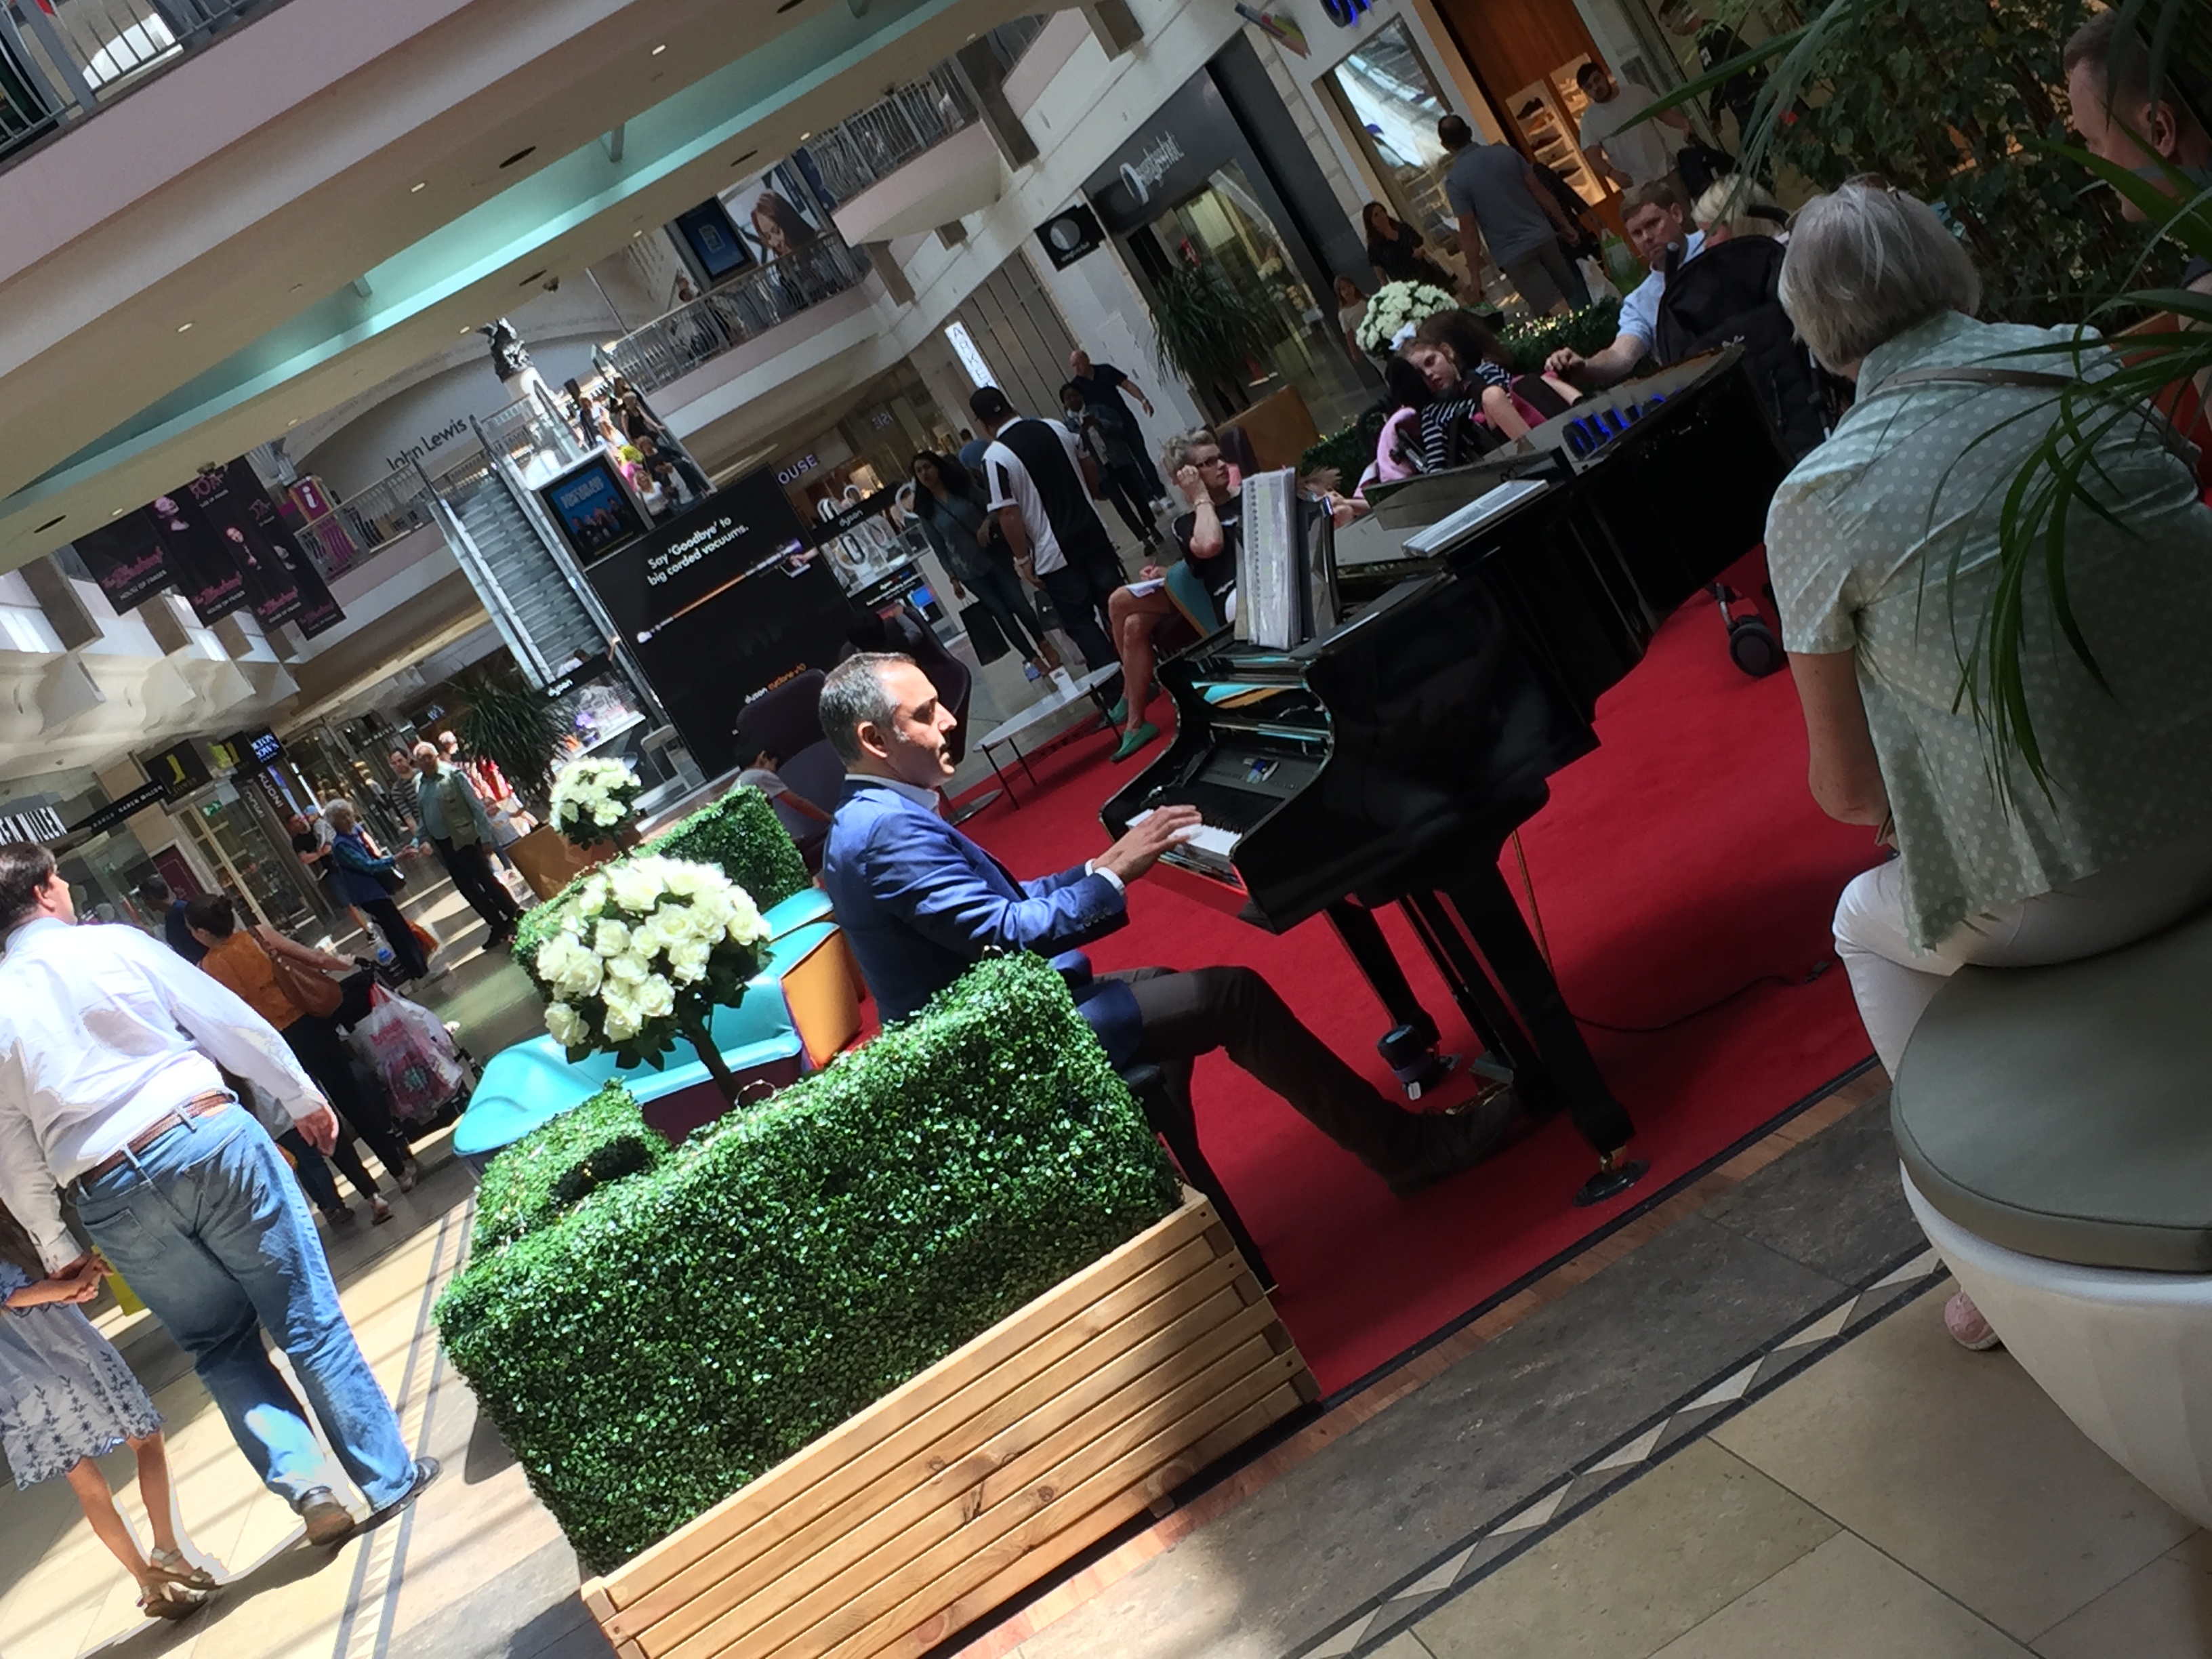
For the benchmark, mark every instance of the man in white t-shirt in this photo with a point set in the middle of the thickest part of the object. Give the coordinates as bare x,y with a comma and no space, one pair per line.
1655,221
804,820
1627,150
1041,484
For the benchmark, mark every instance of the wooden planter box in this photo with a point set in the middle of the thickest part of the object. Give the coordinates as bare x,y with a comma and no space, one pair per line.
978,1477
548,860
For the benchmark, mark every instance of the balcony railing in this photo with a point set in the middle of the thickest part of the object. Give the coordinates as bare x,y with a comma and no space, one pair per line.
363,525
61,60
866,148
669,347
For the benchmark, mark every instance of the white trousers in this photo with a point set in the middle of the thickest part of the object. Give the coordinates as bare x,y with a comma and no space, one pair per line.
1895,983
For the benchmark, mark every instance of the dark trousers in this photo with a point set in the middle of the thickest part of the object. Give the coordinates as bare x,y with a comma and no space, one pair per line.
1001,593
315,1174
470,868
1124,486
397,935
321,1054
1079,591
1233,1009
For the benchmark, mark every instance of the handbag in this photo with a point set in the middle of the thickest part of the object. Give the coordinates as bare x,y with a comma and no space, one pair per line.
983,631
393,879
311,993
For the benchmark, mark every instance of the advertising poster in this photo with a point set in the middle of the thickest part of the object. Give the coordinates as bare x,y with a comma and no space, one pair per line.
197,552
722,602
775,213
595,513
124,558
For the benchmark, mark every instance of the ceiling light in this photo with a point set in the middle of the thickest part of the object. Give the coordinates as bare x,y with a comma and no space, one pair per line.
746,157
527,150
634,234
785,6
118,513
535,275
658,50
412,188
289,424
184,328
51,523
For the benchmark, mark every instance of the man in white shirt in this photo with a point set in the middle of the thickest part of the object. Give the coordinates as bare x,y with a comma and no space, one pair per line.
1655,221
1623,149
109,1044
1041,488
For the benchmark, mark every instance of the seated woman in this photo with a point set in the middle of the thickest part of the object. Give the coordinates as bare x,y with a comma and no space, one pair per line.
1206,537
1884,548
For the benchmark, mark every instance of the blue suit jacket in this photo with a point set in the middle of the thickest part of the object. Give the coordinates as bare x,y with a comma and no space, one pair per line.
920,904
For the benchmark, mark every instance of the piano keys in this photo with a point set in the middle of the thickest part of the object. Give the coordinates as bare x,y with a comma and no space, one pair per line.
1388,759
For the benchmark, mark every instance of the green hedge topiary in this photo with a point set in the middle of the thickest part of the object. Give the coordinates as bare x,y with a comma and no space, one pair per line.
553,1168
741,833
1589,330
683,1332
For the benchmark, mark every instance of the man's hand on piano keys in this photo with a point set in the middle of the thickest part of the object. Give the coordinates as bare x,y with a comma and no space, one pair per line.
1141,849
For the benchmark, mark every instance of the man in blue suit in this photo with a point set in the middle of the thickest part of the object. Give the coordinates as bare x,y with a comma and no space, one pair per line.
919,903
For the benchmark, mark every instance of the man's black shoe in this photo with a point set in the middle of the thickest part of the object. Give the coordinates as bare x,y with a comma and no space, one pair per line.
426,1471
1451,1143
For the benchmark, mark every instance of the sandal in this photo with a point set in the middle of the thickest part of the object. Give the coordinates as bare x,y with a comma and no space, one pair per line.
178,1570
167,1599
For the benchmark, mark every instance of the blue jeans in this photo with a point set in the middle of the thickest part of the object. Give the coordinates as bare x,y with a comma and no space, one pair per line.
208,1226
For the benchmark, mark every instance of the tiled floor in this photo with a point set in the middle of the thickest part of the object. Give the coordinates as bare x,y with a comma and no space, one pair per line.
1902,1497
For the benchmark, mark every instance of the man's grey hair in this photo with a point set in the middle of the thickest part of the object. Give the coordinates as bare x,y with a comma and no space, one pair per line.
853,696
1175,455
1865,265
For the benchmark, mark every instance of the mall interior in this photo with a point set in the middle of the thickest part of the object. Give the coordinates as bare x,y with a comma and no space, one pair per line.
564,362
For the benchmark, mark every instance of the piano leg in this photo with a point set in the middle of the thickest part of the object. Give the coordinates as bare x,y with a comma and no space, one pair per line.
1485,1009
1409,1047
1486,906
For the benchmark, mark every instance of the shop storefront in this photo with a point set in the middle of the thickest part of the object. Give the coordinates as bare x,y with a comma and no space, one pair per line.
1219,178
233,810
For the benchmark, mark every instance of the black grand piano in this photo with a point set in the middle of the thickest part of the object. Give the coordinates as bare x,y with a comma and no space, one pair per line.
1388,757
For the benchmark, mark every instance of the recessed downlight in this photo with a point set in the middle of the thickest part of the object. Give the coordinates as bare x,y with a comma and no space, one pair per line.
118,512
520,154
416,190
658,50
184,328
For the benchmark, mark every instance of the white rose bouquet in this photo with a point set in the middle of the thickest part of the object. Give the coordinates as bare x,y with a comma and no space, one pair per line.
642,951
1397,307
594,800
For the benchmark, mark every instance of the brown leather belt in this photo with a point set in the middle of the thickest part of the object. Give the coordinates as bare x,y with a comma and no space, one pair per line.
197,1106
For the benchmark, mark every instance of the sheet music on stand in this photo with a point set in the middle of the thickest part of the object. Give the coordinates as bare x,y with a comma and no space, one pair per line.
1270,565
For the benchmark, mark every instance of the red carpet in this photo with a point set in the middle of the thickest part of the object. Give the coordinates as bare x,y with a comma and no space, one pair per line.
1681,861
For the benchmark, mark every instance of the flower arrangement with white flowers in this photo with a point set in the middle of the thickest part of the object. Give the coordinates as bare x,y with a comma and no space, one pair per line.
594,800
1396,307
643,950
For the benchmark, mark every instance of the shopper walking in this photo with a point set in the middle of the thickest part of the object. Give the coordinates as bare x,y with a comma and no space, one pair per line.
1101,386
452,815
1040,491
67,1397
108,1086
975,555
288,985
365,876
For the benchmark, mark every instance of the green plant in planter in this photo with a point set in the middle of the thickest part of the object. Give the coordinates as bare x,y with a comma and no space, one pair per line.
678,1333
1211,330
515,727
557,1165
1589,330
